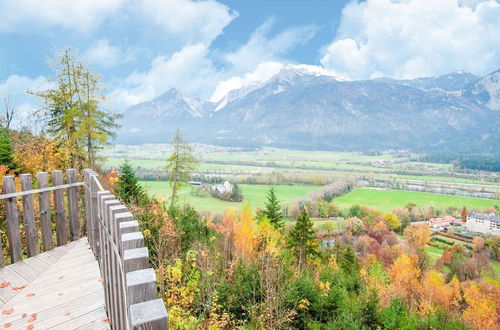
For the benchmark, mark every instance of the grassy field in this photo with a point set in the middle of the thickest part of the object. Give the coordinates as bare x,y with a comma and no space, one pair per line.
254,195
386,200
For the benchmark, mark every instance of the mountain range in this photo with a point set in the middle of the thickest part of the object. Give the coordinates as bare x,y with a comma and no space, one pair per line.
300,108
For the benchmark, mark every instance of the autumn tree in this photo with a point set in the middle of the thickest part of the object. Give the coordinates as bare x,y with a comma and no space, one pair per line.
463,214
74,112
302,238
273,210
180,164
480,312
244,234
404,277
417,235
391,220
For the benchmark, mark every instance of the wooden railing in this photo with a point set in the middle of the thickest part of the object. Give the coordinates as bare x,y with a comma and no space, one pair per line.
113,234
129,283
32,245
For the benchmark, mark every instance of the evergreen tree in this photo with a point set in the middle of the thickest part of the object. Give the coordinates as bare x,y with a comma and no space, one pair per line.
273,210
180,164
6,150
302,238
236,194
128,187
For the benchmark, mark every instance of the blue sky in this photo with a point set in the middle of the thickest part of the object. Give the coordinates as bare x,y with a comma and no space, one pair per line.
207,48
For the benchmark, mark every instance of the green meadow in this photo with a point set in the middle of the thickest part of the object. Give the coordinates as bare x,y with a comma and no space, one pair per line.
254,195
386,200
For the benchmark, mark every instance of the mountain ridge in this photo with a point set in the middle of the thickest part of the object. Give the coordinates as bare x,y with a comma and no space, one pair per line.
300,109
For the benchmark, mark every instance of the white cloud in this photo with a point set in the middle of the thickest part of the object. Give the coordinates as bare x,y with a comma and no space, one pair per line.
105,55
263,71
81,15
261,57
413,38
193,21
188,70
262,48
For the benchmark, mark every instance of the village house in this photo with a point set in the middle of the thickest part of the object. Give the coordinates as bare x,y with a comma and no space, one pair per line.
223,188
485,223
443,222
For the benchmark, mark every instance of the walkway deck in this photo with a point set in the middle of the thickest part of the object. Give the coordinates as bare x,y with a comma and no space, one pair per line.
57,289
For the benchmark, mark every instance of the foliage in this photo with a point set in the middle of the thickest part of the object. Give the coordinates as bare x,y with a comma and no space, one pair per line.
302,239
417,235
76,118
128,187
273,210
180,164
6,150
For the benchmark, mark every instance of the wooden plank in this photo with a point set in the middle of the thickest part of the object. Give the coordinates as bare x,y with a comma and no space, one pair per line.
74,223
149,315
54,315
12,217
75,323
29,216
38,265
24,270
44,211
61,231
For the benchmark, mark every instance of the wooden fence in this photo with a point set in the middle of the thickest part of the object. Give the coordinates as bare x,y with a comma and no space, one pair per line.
129,283
113,234
27,193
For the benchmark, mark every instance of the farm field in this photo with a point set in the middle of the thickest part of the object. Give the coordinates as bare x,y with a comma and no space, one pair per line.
267,160
254,195
386,200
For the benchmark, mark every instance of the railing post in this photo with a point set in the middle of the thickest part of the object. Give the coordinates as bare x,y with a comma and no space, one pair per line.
29,216
74,223
149,315
12,215
42,179
94,214
88,206
61,231
111,207
103,256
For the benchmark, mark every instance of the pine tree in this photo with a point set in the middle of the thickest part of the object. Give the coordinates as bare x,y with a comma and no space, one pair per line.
6,150
128,187
180,164
302,238
273,210
236,194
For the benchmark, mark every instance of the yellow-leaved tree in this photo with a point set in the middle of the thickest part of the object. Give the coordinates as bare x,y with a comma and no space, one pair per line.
244,234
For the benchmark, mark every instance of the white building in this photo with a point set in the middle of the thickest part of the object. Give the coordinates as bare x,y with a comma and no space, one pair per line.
485,223
223,188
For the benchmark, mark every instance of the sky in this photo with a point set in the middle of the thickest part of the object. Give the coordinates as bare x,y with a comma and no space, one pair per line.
206,48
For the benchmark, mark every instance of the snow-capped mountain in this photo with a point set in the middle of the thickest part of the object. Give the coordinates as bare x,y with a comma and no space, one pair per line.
301,107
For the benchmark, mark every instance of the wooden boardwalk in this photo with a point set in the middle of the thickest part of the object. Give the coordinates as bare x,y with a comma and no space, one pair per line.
58,289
